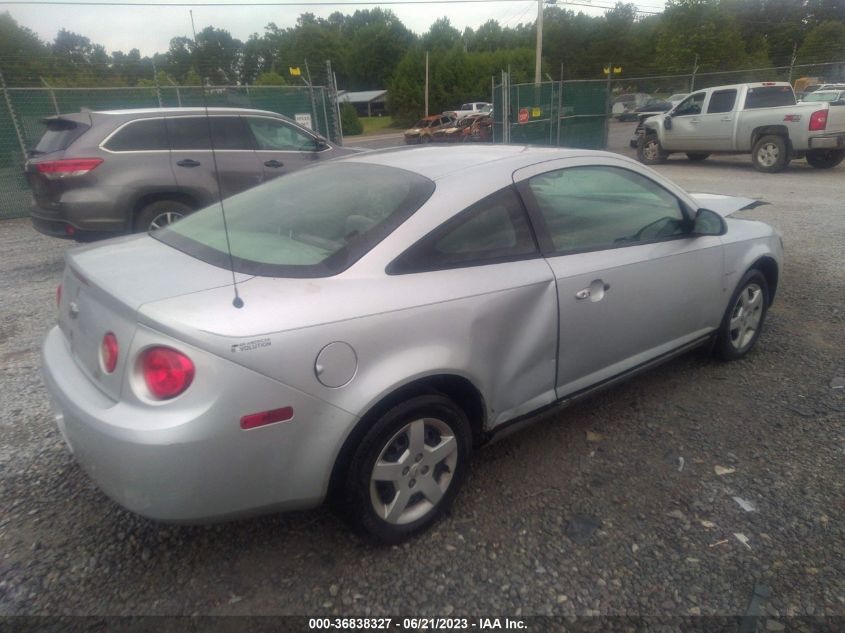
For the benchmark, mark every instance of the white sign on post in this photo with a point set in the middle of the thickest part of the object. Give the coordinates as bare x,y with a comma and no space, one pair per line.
304,119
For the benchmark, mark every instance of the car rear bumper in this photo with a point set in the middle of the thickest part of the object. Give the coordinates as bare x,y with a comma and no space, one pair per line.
66,219
190,461
833,141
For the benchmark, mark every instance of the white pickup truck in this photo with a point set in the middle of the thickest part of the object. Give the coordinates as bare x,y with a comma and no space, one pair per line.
762,119
476,107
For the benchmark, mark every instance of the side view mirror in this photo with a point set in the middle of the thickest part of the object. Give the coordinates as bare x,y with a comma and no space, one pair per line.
320,143
667,122
708,222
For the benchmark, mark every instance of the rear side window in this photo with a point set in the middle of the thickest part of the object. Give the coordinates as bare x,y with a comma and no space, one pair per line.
490,231
143,135
721,101
226,132
769,97
59,135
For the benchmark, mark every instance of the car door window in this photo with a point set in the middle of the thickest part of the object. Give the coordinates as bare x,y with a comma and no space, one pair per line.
139,136
272,134
492,230
721,101
691,105
201,133
599,207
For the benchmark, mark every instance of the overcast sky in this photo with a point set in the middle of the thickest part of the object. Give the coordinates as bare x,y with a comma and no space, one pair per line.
150,29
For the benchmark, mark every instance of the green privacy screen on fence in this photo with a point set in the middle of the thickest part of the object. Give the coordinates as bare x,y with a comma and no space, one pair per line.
22,110
567,114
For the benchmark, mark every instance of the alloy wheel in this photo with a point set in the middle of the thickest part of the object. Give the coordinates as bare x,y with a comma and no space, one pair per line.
768,154
746,315
163,219
413,471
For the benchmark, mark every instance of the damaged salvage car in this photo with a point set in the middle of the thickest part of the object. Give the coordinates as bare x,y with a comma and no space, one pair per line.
355,330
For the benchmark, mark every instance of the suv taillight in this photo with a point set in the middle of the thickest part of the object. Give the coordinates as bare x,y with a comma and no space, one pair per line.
67,167
167,372
818,121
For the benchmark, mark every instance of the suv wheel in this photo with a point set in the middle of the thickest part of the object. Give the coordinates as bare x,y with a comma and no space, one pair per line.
159,214
408,468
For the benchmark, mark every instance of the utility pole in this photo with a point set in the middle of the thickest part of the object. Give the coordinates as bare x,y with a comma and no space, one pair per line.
694,70
538,55
314,125
426,83
792,60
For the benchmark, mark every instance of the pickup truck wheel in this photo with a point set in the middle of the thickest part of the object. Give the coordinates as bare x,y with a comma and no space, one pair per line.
697,158
649,150
159,214
825,158
770,154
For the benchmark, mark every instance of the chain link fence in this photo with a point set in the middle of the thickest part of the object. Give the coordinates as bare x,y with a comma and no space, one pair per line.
23,109
563,114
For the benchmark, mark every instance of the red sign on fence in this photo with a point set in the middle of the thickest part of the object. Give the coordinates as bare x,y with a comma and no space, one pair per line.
523,115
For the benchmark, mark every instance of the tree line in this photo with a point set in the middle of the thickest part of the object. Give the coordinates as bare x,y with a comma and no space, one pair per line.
372,48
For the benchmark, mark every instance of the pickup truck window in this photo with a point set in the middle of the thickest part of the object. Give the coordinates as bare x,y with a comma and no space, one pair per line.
721,101
769,97
691,105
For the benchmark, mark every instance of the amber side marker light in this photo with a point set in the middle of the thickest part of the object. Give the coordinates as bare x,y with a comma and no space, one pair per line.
254,420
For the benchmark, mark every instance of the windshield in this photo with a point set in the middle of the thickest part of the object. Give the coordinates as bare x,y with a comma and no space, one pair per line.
827,95
60,133
312,223
678,97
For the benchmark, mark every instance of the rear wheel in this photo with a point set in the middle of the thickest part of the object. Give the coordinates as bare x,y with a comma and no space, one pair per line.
825,158
770,154
649,150
697,158
408,468
743,320
159,214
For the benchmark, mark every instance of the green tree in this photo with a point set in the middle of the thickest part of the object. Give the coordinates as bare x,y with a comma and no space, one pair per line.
217,56
825,43
23,56
270,78
349,120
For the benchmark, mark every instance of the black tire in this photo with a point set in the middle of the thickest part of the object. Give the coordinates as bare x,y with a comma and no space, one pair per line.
771,154
649,150
368,502
734,339
157,212
825,158
697,158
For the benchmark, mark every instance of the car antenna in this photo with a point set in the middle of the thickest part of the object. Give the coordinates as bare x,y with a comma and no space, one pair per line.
237,301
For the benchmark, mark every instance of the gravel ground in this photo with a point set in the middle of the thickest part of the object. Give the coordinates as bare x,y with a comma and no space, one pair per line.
586,512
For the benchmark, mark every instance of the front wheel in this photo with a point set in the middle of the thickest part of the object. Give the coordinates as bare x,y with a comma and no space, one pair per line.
825,158
743,320
159,214
770,154
697,158
408,468
649,150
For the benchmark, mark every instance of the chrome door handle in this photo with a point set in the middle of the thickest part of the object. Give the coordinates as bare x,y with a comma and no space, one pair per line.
594,292
727,118
188,162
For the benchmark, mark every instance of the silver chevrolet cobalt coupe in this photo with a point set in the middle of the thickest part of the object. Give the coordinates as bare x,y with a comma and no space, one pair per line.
397,310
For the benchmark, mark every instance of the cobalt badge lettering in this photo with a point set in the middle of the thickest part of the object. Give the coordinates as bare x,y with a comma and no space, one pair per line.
418,624
250,346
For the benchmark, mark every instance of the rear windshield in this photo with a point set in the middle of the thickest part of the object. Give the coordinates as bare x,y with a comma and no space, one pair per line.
59,135
312,223
769,97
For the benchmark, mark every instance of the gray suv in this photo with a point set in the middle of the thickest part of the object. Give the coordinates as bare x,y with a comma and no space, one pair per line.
95,174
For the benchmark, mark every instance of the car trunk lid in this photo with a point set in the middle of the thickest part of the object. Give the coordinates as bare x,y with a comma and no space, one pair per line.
104,286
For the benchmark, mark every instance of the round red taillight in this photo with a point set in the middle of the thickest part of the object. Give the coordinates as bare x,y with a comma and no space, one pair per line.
166,372
108,352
